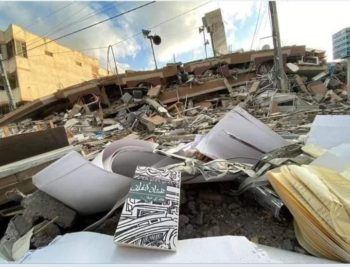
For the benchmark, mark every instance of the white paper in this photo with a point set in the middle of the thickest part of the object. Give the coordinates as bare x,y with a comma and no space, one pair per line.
329,131
82,185
218,143
87,247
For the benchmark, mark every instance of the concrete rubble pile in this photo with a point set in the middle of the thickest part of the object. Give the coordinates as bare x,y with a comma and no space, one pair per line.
235,138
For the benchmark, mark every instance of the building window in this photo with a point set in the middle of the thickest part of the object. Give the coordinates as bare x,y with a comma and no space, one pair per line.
21,49
16,48
10,49
78,63
49,53
12,80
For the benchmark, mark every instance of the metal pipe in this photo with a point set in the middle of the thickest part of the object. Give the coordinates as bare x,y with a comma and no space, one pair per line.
154,56
3,74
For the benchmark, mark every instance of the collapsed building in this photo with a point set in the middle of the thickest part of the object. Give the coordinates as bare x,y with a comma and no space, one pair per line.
234,70
220,123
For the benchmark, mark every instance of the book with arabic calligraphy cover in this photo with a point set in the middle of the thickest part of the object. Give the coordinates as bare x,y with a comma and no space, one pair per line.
150,215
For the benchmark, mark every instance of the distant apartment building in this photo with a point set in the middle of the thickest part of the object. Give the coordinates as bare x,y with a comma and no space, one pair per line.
37,67
341,44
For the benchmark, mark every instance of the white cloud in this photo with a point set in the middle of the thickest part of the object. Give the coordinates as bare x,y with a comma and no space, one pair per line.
310,23
301,22
181,35
99,36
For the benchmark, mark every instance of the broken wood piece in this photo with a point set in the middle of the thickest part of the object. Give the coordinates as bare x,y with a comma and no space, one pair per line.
229,87
254,87
26,145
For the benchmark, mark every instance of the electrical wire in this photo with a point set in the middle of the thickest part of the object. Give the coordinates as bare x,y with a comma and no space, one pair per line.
256,26
110,48
131,36
73,23
94,24
54,28
265,19
46,16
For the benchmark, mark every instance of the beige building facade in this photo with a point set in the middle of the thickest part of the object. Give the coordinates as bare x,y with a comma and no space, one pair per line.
37,67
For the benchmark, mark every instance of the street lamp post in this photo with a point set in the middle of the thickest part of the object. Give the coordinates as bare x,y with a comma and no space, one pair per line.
153,39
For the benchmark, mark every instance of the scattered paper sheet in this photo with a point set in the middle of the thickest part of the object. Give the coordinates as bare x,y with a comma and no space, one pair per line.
241,137
328,131
87,247
82,185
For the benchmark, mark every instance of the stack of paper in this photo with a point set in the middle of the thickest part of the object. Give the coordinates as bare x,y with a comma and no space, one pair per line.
319,200
151,211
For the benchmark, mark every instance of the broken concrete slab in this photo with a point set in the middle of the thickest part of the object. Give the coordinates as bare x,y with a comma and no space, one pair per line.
41,205
71,122
301,84
320,76
126,98
292,67
75,110
317,88
154,91
113,127
16,228
46,235
158,107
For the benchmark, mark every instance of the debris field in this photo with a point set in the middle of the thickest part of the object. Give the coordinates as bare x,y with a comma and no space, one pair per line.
242,147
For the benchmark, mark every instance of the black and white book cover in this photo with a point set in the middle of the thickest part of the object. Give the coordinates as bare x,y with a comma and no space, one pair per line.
150,215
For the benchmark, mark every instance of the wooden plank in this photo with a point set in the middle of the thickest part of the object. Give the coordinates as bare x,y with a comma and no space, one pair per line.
229,87
30,144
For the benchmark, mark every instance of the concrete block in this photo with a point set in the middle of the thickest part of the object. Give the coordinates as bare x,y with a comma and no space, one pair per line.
41,205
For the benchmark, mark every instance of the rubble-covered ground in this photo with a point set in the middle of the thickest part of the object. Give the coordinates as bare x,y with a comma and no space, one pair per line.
207,209
210,210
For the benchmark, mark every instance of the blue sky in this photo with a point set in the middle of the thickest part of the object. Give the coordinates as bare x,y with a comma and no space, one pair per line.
301,22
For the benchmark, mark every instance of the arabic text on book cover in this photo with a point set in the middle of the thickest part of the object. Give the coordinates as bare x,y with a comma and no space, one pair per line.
150,214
